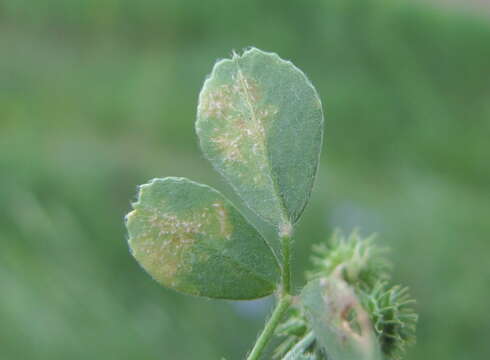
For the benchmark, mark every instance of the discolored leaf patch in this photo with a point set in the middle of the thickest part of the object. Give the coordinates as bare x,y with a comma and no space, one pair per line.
260,123
188,237
339,322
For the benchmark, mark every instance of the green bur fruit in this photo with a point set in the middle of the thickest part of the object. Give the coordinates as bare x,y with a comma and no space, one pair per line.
260,123
188,237
341,325
350,277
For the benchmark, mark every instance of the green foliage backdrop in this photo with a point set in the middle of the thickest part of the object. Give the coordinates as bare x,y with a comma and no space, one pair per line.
97,96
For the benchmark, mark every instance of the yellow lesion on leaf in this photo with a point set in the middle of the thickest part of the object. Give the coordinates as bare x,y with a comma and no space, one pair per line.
156,260
163,247
216,103
239,126
228,145
225,225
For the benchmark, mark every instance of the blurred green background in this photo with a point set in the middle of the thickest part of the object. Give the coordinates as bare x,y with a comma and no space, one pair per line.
97,96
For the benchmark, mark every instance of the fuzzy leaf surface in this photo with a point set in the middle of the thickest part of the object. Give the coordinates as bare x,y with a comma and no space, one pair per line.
188,237
339,322
260,123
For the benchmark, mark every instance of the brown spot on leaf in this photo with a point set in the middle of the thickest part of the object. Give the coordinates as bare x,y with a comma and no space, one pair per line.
240,125
216,103
342,303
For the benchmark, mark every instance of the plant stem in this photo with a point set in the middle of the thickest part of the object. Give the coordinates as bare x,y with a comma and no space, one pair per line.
283,296
286,270
270,326
300,347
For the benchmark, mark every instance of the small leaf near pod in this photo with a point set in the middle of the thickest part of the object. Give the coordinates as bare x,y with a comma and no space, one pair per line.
341,326
260,123
188,237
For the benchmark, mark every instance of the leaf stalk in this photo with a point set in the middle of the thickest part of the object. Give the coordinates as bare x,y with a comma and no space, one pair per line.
270,326
286,264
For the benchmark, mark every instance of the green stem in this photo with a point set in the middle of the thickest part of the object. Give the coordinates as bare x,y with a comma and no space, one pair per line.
269,328
286,270
300,347
282,304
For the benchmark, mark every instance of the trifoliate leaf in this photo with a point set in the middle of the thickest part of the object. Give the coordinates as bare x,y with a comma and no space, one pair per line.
260,123
341,326
188,237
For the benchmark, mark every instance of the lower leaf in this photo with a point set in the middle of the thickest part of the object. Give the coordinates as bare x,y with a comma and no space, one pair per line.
188,237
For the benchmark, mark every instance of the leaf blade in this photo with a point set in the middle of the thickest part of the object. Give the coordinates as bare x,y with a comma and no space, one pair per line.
260,123
188,237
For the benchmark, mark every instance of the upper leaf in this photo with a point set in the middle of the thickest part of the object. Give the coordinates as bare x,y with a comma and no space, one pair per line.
260,123
340,323
188,237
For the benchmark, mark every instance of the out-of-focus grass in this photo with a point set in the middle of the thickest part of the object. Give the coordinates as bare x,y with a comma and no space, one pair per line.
98,96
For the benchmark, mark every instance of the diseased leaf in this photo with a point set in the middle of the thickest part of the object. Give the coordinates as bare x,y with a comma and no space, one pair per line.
339,322
260,123
188,237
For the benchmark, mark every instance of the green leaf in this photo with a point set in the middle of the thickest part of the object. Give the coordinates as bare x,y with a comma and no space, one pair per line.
260,123
340,323
188,237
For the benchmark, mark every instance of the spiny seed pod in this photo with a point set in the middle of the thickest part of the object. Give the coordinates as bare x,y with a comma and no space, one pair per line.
362,266
393,318
360,260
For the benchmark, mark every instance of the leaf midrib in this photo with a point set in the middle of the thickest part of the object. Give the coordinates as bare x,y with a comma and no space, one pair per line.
275,185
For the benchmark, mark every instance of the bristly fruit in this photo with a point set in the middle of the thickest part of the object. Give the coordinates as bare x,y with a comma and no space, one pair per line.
360,263
393,317
360,260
